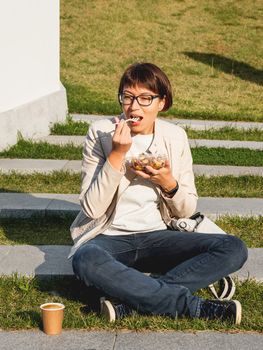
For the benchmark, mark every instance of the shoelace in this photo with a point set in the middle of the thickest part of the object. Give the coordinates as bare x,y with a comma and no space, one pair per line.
213,309
122,310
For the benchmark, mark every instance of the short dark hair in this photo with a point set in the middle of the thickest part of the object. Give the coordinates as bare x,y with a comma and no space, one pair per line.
151,77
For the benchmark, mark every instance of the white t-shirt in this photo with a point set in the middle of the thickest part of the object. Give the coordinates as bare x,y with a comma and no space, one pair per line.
138,206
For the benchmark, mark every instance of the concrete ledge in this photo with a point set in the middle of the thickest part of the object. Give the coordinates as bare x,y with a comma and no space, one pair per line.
48,260
24,205
29,166
28,204
130,340
33,120
194,143
196,124
255,145
40,260
221,170
214,207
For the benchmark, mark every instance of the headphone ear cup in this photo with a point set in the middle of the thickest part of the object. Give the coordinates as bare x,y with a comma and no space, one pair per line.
231,288
225,288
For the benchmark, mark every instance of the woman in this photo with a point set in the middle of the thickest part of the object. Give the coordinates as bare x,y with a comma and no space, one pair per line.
124,228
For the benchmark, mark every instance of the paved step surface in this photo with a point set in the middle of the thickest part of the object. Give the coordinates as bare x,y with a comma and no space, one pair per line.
51,260
79,140
28,204
255,145
194,124
221,170
127,340
29,166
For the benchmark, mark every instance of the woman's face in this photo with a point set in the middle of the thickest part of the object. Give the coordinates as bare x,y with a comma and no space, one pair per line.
146,114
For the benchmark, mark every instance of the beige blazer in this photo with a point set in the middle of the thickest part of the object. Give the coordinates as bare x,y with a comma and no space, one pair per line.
102,185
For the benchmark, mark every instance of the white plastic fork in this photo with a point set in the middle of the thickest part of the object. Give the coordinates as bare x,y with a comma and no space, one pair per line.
130,119
136,119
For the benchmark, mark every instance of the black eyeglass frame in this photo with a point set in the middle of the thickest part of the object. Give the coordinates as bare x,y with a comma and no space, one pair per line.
136,98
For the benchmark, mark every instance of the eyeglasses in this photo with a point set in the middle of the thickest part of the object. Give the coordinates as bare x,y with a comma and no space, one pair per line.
143,100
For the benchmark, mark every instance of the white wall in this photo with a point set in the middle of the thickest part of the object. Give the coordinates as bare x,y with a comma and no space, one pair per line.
29,51
31,95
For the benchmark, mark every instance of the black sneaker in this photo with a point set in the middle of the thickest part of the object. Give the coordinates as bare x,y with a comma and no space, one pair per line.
113,311
221,310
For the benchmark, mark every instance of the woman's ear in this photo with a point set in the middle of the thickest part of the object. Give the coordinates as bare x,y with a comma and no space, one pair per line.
161,104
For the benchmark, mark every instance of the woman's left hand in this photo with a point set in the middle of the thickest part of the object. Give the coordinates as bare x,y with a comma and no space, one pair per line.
162,177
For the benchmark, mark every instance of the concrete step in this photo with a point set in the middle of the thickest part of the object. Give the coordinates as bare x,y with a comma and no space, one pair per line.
130,340
28,204
29,166
51,260
255,145
196,124
79,140
221,170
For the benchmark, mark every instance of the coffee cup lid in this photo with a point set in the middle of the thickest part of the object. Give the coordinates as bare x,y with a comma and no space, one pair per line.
56,305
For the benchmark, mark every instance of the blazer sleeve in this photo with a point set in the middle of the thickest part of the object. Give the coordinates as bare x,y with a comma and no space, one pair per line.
184,202
100,180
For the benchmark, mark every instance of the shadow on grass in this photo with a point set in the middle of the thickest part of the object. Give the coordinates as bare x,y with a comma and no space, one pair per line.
25,309
32,316
228,65
4,190
71,289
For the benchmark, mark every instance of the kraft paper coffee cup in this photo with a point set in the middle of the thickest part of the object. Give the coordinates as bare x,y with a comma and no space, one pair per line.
52,317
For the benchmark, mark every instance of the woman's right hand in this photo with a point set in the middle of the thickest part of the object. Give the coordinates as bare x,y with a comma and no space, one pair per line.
121,140
121,143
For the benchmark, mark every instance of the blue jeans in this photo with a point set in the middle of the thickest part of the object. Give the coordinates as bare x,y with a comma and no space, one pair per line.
186,261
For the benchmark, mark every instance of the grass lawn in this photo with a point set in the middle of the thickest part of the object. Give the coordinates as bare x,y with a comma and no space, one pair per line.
201,155
212,52
36,230
42,150
65,182
56,182
226,133
55,230
224,156
21,298
230,186
70,128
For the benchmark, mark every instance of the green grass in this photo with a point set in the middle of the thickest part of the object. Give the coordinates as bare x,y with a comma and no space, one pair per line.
70,128
226,133
22,296
42,150
55,230
65,182
230,186
56,182
36,230
249,229
201,155
224,156
212,53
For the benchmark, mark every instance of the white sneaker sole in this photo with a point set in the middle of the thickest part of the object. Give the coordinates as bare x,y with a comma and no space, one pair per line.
107,310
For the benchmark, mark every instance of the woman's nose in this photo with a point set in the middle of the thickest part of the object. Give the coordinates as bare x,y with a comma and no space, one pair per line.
134,104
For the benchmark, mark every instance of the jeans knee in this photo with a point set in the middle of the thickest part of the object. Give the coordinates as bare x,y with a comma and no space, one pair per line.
84,260
237,251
